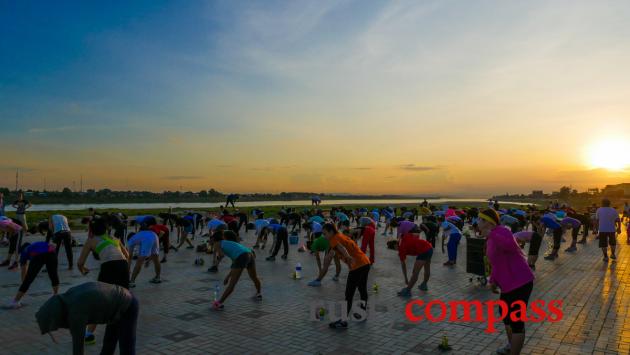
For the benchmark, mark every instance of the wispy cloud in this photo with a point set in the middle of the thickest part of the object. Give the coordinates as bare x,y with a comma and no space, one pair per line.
414,167
52,129
184,177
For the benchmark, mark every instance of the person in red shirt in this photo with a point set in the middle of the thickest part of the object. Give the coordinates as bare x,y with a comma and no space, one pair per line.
163,234
367,240
411,244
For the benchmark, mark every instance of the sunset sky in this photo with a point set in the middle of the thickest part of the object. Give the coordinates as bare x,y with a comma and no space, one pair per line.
424,97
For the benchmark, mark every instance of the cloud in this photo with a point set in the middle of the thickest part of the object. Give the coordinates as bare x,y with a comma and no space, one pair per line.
414,167
52,129
362,168
183,177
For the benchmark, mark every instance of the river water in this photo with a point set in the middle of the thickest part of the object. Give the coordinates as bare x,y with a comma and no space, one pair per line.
193,205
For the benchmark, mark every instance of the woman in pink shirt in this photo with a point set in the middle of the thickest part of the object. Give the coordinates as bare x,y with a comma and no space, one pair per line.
510,272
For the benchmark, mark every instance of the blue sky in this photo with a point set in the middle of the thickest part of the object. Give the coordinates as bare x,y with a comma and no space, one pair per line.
322,87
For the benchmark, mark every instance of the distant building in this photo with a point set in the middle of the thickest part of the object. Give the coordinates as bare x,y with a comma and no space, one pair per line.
593,191
619,190
538,194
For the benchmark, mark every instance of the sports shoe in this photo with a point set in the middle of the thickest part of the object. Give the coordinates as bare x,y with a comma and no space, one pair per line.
423,287
258,297
449,263
605,259
217,306
533,267
338,325
551,257
335,278
14,305
570,249
405,292
213,268
505,350
582,241
132,284
315,283
613,256
271,258
190,247
155,280
13,266
284,257
90,339
163,261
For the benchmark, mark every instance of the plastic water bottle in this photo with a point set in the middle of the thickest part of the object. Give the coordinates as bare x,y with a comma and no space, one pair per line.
216,293
298,271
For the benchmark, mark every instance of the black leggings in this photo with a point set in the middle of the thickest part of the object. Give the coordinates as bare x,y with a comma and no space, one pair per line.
557,238
123,332
281,237
65,238
534,244
357,278
35,265
13,240
520,294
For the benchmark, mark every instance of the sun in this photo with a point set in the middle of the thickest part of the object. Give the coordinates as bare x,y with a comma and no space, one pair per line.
611,154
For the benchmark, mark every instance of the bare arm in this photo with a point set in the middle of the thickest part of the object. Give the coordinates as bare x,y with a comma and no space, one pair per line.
327,260
85,251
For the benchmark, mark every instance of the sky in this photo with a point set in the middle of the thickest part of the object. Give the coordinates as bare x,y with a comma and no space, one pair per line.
441,97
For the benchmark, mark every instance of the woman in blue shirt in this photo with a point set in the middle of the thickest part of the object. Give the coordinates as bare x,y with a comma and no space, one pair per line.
242,258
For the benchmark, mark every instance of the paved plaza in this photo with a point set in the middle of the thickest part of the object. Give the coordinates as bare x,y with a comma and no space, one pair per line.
175,316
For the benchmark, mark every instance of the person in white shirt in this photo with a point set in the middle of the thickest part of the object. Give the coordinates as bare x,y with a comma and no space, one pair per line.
609,225
59,230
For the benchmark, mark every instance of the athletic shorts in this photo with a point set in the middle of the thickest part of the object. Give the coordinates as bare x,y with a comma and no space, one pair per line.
425,256
606,239
115,272
149,246
243,261
520,294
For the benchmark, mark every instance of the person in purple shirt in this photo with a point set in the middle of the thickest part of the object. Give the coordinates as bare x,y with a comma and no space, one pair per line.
549,221
574,225
32,258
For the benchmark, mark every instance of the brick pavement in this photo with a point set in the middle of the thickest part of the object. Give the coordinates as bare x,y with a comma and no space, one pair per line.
175,316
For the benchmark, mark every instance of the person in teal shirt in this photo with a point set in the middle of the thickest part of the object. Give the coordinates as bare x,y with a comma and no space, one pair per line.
242,258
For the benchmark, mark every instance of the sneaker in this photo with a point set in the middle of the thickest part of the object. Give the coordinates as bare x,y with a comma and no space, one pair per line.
14,305
5,263
90,339
423,287
570,249
258,297
405,292
163,261
175,248
155,280
582,241
449,263
605,259
505,350
13,266
255,247
271,258
213,268
217,306
613,256
533,267
550,257
315,283
335,278
132,284
284,257
338,325
190,247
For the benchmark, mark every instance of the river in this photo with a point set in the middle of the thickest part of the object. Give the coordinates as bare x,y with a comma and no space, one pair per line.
193,205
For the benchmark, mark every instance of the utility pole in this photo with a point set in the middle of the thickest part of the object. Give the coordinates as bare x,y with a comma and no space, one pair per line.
17,177
81,183
44,183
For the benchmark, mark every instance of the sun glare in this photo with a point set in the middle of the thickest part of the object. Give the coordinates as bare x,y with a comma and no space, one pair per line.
611,154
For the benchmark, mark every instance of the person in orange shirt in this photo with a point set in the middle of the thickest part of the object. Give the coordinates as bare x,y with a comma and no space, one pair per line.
358,263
